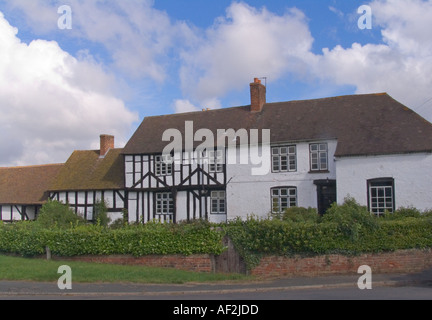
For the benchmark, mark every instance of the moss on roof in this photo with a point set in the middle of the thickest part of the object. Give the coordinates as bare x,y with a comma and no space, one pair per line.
86,170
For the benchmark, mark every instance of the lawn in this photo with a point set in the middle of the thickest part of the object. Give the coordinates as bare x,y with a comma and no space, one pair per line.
30,269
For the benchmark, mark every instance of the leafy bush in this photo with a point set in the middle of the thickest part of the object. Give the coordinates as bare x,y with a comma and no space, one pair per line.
348,228
350,218
29,239
57,214
101,214
402,213
300,214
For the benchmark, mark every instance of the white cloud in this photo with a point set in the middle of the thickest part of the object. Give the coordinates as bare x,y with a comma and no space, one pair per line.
136,36
247,43
401,66
251,42
52,103
182,105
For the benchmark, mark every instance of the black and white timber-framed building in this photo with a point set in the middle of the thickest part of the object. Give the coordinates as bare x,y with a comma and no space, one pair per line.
369,146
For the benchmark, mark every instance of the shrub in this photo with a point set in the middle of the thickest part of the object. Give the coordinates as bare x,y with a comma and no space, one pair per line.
101,214
402,213
57,214
350,218
300,214
29,239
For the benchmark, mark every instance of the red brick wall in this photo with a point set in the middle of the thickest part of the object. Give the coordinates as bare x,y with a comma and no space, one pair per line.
198,263
402,261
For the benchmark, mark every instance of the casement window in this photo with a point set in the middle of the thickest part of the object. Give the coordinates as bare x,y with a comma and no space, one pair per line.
164,203
381,195
215,161
218,202
283,198
318,156
284,159
163,165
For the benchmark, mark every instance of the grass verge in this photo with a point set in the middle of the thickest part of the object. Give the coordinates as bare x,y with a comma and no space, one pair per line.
29,269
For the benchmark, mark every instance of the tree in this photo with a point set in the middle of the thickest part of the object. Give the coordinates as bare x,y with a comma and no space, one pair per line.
57,214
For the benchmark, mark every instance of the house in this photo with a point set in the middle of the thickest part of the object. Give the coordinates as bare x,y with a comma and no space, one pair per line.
23,190
255,159
314,152
92,176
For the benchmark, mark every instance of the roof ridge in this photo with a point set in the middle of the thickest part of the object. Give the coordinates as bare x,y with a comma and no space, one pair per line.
33,166
332,97
267,103
94,150
194,112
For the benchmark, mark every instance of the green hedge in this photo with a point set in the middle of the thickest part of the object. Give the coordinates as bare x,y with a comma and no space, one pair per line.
345,229
281,238
25,238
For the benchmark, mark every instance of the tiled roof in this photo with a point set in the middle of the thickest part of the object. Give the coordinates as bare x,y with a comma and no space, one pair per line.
86,170
367,124
26,185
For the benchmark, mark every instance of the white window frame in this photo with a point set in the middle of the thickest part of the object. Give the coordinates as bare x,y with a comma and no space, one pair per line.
318,153
164,203
284,158
216,160
381,196
283,198
163,165
218,202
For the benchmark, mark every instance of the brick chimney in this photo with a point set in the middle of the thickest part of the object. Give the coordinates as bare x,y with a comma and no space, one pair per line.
106,143
258,95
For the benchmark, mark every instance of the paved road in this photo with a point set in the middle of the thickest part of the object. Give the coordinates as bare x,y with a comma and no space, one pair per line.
268,299
384,286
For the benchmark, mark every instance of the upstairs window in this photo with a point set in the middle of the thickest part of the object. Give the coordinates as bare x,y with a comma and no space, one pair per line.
381,195
318,156
284,159
216,161
163,165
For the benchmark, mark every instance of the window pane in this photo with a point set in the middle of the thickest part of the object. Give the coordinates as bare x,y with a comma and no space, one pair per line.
283,198
381,196
388,192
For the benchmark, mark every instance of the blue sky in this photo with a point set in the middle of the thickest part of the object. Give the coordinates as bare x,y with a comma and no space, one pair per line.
125,60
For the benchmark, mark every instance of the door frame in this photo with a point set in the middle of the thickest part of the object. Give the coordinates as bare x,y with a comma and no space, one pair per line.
325,188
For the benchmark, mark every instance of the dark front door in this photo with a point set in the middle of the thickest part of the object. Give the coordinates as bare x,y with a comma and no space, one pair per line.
326,194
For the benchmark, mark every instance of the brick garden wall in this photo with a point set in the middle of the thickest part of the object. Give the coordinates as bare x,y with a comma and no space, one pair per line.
198,263
402,261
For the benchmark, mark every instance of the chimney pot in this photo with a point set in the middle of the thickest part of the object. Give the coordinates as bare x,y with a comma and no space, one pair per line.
106,143
258,95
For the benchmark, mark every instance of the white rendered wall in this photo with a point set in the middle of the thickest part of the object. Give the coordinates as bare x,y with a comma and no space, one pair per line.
249,194
79,201
412,174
